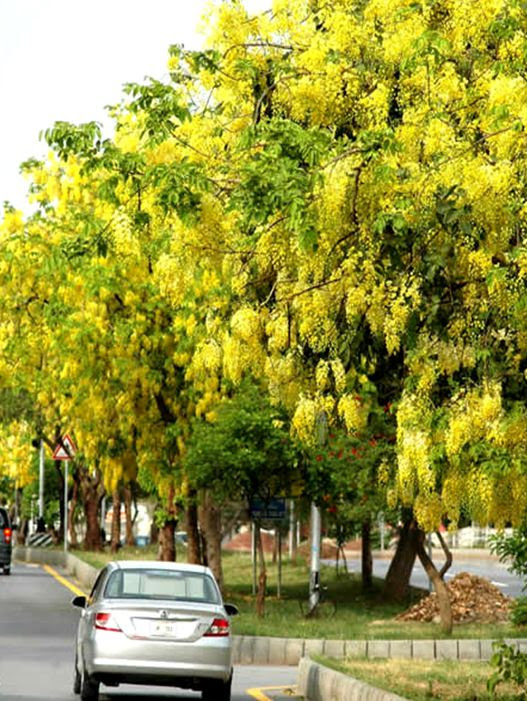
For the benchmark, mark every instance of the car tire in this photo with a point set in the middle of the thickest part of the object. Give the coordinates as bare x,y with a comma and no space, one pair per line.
7,569
77,679
89,688
217,691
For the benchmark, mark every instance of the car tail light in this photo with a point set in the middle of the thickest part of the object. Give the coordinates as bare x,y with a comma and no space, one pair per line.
106,621
7,534
218,628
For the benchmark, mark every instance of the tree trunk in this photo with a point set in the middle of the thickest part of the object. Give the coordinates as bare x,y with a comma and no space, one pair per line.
262,577
92,540
167,541
367,561
115,541
91,493
167,532
398,577
191,526
443,598
448,556
210,520
129,537
154,528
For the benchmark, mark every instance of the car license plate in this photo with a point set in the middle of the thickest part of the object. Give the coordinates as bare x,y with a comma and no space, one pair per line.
165,629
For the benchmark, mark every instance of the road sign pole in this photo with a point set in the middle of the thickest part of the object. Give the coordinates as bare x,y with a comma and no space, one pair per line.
292,534
279,585
41,480
253,554
66,506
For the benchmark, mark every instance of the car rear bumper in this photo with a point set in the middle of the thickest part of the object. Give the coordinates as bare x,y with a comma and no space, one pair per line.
5,554
113,658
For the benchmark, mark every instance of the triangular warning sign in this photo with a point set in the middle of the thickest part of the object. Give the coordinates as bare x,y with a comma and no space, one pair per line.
65,450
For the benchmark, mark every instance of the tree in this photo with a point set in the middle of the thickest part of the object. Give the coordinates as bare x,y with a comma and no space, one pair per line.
246,454
330,198
379,192
512,549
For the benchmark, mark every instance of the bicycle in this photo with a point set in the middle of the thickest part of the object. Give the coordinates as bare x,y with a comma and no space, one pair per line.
324,608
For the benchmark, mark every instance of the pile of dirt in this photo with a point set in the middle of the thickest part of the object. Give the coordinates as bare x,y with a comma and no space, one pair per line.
328,549
241,542
473,599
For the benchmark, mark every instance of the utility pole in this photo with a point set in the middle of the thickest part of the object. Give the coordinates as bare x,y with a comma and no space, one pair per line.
314,577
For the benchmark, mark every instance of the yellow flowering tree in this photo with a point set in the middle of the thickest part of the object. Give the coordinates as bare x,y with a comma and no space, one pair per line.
329,197
370,156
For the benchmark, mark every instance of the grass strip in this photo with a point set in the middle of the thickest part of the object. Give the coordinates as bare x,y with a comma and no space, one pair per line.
424,680
358,615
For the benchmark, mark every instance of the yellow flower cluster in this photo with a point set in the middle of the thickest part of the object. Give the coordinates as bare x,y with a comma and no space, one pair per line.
354,413
246,325
285,380
304,420
474,416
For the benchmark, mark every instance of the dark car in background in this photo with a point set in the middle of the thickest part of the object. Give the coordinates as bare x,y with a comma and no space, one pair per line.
6,536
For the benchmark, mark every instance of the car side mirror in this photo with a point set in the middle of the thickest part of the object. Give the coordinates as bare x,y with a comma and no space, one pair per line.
231,609
79,601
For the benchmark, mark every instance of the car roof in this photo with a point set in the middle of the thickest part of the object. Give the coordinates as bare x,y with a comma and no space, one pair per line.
158,565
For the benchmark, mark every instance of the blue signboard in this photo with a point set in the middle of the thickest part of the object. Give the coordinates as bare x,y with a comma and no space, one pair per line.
273,510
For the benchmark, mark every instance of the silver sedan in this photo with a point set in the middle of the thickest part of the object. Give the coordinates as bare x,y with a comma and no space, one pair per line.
156,623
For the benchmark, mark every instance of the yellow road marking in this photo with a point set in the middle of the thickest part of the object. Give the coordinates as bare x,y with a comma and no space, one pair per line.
257,693
63,580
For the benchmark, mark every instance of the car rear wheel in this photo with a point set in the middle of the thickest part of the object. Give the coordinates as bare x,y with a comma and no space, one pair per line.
217,691
77,679
7,569
89,688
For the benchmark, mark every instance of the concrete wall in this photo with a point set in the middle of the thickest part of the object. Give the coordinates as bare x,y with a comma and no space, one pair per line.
318,683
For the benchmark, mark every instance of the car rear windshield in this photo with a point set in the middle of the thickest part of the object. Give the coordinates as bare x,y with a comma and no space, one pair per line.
161,584
4,521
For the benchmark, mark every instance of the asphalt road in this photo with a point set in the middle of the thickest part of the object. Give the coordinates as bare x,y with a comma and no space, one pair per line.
483,566
37,631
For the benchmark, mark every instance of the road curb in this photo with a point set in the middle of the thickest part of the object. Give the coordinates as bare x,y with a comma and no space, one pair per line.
75,567
318,683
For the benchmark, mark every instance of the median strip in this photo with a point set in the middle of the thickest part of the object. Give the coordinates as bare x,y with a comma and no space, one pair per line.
69,585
